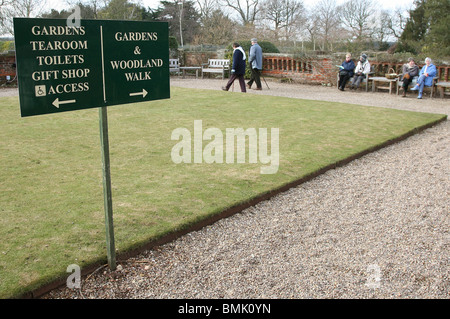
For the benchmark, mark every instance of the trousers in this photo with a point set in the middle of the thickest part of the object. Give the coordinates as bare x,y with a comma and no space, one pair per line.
233,77
357,79
421,82
255,77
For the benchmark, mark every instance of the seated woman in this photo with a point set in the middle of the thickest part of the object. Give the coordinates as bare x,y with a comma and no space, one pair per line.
426,75
362,68
346,71
409,71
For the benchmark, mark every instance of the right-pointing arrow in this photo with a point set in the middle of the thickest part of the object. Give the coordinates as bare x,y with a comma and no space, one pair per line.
143,93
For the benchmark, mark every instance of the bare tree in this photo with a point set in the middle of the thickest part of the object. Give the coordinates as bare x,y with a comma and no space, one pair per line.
206,7
246,9
217,29
327,22
18,8
282,15
396,22
381,31
3,8
312,27
295,17
181,6
357,15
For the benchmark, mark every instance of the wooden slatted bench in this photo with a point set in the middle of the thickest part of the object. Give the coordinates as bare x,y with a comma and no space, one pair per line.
216,66
414,82
174,65
382,79
441,86
365,81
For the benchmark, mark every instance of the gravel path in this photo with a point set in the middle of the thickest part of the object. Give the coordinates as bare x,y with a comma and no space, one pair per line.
375,228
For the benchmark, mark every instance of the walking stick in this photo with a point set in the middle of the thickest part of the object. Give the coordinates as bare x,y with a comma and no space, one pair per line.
265,80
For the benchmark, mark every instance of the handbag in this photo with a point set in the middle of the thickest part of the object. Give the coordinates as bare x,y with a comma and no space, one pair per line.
407,76
343,72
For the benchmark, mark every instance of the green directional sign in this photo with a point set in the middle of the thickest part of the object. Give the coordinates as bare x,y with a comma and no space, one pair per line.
98,63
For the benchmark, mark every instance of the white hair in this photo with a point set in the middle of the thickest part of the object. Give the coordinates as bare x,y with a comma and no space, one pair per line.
427,59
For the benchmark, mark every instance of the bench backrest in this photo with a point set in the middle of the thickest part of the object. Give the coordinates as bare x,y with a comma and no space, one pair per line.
218,63
174,63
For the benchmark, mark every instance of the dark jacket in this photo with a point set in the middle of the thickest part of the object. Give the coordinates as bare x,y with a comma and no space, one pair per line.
349,66
238,61
413,71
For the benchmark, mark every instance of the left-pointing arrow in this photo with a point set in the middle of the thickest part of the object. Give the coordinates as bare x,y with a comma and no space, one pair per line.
57,102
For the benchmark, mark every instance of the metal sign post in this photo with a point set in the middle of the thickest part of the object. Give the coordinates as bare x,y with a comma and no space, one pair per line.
107,193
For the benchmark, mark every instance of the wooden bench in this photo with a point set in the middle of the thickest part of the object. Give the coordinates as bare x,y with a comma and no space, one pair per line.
441,86
174,65
382,79
365,81
216,66
414,82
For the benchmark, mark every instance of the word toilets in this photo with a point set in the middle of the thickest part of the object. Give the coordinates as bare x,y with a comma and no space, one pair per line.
213,152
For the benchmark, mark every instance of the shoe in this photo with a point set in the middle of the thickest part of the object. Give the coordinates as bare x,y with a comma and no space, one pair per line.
224,88
420,96
258,89
341,88
248,86
415,88
404,93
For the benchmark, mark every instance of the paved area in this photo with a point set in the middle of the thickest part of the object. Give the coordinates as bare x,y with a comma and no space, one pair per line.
375,228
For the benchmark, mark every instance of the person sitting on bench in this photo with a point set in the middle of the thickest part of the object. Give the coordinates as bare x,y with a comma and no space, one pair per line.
362,69
426,76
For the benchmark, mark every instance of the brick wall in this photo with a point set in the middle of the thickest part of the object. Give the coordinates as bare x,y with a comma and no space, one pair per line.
7,67
320,70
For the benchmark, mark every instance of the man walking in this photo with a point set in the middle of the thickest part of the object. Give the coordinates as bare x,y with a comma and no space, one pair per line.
255,60
238,68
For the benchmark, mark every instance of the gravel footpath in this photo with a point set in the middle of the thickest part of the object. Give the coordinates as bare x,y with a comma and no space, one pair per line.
375,228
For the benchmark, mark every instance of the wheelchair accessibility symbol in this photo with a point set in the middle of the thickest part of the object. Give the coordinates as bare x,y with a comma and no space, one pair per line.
40,90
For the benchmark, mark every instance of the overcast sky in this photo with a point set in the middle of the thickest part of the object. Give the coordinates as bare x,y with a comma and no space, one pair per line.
385,4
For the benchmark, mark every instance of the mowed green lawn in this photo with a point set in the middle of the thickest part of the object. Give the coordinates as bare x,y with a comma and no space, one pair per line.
51,199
